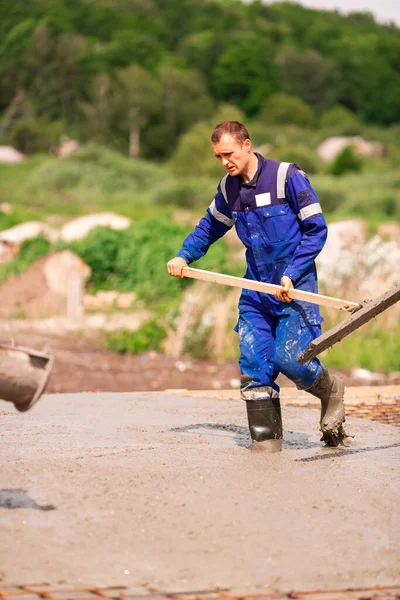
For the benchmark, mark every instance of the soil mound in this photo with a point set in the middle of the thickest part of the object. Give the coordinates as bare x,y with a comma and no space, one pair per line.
28,295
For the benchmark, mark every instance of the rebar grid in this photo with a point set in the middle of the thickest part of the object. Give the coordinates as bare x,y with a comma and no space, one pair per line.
47,592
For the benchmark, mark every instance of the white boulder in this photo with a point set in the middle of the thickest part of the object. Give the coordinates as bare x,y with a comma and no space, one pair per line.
11,156
333,146
28,230
60,268
78,229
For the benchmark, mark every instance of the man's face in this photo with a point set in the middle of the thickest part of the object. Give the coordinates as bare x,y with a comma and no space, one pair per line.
232,154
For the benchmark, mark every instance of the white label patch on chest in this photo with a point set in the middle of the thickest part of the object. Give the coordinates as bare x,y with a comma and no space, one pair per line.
263,199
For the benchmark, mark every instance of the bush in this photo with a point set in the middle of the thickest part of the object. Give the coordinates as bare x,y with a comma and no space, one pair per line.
30,251
300,155
96,168
364,349
183,192
148,337
341,121
35,135
136,259
193,156
346,161
284,109
100,251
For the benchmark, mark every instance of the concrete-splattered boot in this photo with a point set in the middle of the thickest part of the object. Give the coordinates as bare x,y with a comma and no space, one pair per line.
330,390
265,424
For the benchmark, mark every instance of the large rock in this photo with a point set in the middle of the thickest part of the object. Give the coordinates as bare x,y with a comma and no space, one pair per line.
9,155
79,228
7,251
333,146
61,268
67,148
26,231
350,264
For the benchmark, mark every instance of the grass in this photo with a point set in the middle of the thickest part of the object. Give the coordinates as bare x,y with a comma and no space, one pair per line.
372,348
97,179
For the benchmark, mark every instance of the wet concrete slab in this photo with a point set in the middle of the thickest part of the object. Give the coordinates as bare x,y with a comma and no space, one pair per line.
161,490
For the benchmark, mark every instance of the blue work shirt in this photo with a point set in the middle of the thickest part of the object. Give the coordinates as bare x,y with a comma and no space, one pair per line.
277,217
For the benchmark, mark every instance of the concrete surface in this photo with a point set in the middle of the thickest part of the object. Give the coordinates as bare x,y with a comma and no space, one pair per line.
161,490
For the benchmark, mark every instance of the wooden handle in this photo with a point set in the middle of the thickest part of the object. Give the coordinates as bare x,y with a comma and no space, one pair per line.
268,288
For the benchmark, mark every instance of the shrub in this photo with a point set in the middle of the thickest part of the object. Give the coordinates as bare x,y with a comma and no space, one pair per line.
100,251
148,337
376,349
300,155
346,161
183,192
35,135
341,120
30,251
282,108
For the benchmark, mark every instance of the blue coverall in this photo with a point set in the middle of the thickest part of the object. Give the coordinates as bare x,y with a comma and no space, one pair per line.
279,220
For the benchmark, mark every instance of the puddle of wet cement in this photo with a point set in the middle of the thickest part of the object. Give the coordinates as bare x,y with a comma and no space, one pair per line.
17,498
292,440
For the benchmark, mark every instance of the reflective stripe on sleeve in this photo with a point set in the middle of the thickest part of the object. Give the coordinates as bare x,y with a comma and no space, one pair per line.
219,215
281,180
223,188
309,211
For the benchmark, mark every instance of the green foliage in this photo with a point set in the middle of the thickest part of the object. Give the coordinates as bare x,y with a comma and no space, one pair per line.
246,72
300,155
283,109
193,155
340,120
93,65
309,76
373,195
376,349
135,259
31,135
148,337
346,161
100,251
184,192
30,251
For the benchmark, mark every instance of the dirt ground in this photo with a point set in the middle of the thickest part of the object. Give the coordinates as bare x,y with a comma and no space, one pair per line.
161,490
82,365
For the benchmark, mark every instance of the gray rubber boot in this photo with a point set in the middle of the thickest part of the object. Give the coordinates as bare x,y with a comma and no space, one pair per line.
265,424
330,390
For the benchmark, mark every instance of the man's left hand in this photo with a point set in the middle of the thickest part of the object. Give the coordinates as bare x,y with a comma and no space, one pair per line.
287,285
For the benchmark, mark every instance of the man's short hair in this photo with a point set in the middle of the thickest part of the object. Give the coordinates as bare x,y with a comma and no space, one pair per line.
234,128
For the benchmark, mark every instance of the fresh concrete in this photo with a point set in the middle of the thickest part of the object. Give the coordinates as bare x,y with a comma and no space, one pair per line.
161,490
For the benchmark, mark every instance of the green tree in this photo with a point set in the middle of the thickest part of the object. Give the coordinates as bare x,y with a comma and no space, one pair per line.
284,109
310,77
340,119
246,73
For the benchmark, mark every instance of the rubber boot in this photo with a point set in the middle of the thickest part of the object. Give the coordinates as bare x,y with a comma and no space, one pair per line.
265,424
330,390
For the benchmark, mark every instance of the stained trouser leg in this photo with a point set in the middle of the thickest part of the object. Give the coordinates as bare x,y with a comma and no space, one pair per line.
258,388
294,332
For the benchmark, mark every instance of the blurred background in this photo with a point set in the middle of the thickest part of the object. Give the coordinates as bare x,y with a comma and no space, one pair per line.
106,110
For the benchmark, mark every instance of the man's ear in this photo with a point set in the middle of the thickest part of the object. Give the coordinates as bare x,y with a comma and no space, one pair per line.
247,145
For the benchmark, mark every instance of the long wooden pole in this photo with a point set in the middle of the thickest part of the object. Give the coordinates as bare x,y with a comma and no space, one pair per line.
268,288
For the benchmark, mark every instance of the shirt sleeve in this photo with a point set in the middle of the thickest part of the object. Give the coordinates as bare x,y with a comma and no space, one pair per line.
214,225
305,204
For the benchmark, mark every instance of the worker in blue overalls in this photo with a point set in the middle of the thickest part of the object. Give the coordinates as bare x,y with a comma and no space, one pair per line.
279,220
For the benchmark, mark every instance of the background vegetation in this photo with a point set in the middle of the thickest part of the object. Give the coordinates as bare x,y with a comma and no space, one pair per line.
141,83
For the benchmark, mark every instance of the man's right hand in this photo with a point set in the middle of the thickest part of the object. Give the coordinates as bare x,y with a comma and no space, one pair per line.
176,265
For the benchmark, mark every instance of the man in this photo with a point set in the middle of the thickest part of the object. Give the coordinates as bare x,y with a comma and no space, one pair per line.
279,220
